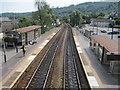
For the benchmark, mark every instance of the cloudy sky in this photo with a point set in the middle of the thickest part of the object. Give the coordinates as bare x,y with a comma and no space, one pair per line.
28,5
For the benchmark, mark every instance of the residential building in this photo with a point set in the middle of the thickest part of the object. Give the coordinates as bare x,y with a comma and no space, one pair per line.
22,36
106,16
100,22
5,24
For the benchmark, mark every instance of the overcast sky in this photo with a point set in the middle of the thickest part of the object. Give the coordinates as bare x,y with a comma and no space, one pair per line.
28,5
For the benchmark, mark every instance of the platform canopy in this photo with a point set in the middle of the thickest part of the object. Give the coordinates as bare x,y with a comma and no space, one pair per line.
109,44
27,29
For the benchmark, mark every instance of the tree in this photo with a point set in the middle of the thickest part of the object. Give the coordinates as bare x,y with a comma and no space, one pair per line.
101,14
75,18
24,21
66,18
117,21
87,19
44,16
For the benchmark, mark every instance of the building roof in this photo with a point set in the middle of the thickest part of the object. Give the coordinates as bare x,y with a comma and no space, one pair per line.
5,19
27,29
109,44
101,20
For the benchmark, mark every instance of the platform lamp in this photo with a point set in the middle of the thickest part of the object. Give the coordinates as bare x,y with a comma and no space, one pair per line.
97,28
112,28
16,35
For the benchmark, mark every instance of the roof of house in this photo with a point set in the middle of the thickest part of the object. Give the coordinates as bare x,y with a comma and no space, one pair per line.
27,29
109,44
2,19
101,20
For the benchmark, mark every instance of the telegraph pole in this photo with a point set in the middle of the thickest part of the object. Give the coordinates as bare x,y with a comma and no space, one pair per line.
112,29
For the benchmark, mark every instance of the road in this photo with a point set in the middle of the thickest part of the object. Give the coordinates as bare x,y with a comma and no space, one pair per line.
98,30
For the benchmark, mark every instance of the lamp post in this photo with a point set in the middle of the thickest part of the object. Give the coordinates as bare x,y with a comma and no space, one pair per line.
112,29
16,36
97,28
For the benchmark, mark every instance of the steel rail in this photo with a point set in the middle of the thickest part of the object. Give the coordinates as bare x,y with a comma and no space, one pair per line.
42,61
72,62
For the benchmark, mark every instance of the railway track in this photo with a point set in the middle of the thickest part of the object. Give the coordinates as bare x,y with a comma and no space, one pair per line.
71,75
75,77
41,72
40,76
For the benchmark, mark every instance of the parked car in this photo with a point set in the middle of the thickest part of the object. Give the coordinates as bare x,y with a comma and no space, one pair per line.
103,31
32,42
118,36
113,32
94,34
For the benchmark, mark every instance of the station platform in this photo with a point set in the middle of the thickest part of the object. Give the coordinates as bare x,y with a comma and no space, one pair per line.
13,68
98,76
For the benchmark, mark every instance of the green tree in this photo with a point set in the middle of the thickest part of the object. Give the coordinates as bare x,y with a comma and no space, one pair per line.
75,18
24,21
86,19
66,18
117,21
44,16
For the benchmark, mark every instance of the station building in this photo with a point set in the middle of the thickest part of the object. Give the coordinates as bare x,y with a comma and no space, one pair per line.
106,49
22,36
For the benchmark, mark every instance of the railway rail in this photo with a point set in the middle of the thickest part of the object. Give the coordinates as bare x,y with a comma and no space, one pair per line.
39,74
39,78
71,75
74,73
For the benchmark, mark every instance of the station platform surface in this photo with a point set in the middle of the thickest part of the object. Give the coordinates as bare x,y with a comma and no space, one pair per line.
14,67
98,76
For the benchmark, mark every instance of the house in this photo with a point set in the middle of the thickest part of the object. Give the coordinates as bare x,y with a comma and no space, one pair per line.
22,36
100,22
5,24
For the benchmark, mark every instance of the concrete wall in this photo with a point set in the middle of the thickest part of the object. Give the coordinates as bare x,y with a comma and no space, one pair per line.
30,35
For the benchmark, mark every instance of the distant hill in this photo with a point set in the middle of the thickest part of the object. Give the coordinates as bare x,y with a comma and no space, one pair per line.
89,7
16,14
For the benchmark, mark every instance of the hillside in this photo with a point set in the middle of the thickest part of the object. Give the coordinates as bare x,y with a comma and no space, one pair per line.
89,7
16,14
